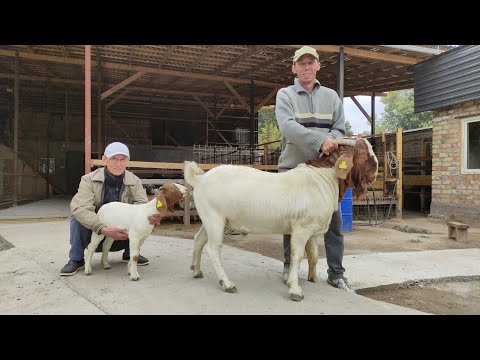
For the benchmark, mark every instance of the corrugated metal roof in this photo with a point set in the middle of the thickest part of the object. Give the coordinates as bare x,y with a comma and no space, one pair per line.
450,78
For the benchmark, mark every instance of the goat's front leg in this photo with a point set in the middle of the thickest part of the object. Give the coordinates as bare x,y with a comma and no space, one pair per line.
312,255
214,246
135,244
198,244
297,245
94,241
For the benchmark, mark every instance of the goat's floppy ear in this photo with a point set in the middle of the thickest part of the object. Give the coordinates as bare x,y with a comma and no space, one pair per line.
156,191
343,166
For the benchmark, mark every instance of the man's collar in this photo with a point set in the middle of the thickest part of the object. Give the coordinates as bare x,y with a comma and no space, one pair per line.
299,88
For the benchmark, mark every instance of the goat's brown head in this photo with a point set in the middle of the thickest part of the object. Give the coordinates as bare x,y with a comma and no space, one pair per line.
355,164
168,194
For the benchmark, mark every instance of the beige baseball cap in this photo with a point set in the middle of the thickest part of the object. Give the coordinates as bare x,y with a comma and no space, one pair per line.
305,50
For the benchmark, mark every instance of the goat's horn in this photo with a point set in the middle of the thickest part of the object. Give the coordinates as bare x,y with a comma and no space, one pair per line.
347,142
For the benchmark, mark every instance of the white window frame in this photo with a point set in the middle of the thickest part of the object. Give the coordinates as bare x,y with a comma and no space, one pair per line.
465,123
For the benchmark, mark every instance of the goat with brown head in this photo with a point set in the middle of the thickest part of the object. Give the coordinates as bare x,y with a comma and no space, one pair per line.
168,194
355,165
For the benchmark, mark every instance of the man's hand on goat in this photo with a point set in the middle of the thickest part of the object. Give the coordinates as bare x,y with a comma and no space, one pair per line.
114,233
153,219
328,146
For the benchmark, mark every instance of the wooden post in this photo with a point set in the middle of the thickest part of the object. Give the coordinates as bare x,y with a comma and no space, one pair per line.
15,129
385,165
186,214
400,173
422,172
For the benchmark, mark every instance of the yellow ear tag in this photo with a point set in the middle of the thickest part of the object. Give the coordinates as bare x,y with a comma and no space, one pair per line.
159,204
343,165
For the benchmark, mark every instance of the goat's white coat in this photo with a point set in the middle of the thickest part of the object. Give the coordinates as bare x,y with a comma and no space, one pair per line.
299,202
133,218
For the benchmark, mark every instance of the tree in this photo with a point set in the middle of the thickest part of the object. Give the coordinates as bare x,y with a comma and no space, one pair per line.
348,128
399,113
267,127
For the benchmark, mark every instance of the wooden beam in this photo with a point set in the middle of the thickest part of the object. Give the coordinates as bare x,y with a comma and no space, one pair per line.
122,84
16,112
364,54
146,69
179,166
205,107
267,98
125,133
361,109
116,98
237,95
252,50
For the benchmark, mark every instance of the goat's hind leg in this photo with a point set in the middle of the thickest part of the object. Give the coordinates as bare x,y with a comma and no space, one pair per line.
297,247
107,244
198,244
94,241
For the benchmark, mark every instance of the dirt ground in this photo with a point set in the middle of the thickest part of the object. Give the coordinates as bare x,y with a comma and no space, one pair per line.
414,233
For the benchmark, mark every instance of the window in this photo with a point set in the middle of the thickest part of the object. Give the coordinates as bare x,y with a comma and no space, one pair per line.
43,166
471,146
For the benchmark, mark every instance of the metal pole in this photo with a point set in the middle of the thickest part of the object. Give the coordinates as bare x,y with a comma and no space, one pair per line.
252,121
88,109
340,74
15,128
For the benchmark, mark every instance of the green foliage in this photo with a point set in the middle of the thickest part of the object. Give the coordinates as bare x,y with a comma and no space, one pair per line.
399,113
348,128
267,127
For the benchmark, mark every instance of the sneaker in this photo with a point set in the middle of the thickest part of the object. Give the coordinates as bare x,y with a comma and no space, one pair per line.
142,261
72,267
286,271
341,283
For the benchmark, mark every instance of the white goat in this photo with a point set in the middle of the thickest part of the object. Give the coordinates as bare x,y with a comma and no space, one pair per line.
133,218
299,202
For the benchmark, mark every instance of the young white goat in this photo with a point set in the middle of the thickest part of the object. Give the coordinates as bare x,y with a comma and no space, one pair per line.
133,218
299,202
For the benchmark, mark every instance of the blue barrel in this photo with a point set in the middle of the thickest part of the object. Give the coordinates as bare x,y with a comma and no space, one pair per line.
347,211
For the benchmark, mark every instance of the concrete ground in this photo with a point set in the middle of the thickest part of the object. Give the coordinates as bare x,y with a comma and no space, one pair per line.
30,281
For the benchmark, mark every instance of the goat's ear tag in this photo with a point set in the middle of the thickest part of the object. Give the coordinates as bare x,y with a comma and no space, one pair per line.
159,204
343,165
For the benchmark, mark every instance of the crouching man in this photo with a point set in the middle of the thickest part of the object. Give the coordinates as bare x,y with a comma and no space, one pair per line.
104,185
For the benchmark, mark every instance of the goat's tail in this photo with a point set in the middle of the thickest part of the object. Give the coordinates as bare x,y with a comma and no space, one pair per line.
192,170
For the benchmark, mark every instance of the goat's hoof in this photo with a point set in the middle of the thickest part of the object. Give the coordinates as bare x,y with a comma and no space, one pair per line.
198,274
296,297
88,272
107,266
230,288
312,279
134,278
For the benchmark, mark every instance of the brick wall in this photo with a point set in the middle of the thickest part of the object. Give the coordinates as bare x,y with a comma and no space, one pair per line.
454,195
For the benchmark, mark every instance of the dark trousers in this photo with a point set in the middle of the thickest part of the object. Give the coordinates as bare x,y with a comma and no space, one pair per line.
333,246
80,237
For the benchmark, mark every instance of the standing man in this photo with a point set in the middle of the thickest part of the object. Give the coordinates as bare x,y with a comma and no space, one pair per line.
110,183
309,117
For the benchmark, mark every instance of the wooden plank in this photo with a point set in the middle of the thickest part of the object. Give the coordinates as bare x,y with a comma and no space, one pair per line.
121,85
361,109
237,95
400,173
364,54
179,166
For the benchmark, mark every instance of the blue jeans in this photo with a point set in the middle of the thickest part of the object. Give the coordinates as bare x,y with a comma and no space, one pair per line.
80,237
333,246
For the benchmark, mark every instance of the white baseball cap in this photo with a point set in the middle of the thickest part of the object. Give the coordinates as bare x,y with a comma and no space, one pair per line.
305,50
116,148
